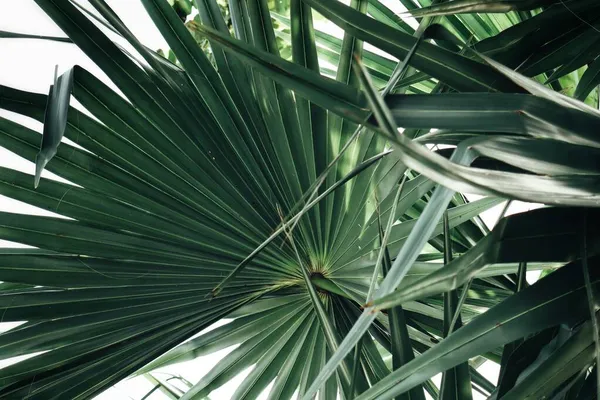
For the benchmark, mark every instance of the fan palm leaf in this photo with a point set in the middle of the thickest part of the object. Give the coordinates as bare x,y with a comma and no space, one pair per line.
280,194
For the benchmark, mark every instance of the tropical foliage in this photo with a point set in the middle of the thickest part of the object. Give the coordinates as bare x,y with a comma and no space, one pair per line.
280,192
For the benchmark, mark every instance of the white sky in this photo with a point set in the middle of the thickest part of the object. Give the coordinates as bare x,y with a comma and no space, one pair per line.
29,65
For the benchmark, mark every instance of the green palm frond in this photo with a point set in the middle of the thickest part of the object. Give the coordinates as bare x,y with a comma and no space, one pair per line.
245,178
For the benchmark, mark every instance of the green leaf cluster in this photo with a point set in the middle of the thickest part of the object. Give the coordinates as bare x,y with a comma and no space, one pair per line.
311,188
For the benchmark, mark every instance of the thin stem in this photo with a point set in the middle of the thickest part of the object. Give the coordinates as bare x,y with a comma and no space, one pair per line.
522,276
154,389
384,239
461,301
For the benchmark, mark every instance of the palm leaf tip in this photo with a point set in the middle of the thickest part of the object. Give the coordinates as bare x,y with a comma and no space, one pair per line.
55,120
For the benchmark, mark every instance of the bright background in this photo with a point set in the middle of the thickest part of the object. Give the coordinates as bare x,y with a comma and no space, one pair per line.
29,65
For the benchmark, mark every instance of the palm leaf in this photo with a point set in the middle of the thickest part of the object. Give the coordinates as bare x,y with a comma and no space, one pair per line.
259,164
